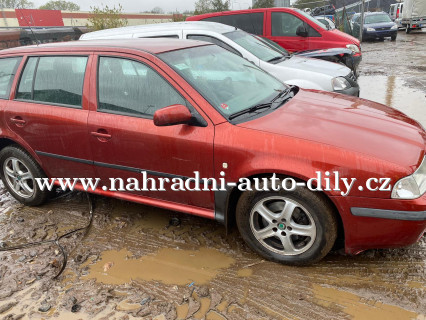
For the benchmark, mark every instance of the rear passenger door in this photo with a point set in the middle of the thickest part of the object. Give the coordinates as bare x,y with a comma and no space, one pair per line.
49,112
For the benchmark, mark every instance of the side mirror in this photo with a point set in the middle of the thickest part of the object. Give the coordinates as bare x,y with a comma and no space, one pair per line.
172,115
301,31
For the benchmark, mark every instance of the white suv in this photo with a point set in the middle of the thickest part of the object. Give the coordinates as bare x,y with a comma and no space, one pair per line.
304,72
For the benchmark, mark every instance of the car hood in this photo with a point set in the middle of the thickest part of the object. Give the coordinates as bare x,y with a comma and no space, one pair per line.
324,52
346,36
349,123
316,65
379,25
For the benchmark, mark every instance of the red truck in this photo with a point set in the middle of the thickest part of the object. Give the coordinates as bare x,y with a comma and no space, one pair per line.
293,29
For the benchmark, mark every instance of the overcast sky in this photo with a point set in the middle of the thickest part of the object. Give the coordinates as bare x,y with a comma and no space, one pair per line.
147,5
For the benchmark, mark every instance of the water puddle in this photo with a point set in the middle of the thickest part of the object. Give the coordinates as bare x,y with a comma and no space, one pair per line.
357,307
392,91
244,272
169,266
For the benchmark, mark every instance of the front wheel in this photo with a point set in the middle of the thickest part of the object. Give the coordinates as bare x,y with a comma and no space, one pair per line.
18,172
295,228
393,38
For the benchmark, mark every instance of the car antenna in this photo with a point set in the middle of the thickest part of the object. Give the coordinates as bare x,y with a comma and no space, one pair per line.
31,29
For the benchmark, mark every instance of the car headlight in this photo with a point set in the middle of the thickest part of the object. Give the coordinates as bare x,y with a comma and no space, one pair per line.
371,29
394,27
353,47
411,187
340,83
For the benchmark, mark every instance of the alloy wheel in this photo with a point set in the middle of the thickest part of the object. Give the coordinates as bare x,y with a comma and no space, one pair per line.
19,177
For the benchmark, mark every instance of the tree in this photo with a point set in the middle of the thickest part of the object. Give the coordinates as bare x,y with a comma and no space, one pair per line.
263,4
16,4
206,6
106,18
60,5
157,10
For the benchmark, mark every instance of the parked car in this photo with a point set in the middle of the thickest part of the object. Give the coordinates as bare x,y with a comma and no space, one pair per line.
395,12
377,25
326,21
324,10
293,29
114,109
338,55
301,71
414,15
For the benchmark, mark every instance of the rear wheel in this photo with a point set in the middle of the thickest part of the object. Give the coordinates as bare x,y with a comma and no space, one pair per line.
407,29
294,228
18,173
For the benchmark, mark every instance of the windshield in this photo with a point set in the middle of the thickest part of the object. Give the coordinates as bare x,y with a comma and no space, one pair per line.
273,45
307,15
251,44
229,82
377,18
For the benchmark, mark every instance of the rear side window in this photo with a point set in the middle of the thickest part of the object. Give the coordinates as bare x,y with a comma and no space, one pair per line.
8,68
54,80
131,88
214,41
249,22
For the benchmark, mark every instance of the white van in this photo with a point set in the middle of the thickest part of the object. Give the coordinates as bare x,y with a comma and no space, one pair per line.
304,72
395,12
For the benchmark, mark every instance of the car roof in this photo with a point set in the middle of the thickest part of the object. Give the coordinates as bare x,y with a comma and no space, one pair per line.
159,27
153,46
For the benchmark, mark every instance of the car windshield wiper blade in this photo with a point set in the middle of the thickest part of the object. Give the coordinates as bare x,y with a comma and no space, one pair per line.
276,58
251,110
281,94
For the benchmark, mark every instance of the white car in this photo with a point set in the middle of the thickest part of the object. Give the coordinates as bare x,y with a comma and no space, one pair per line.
304,72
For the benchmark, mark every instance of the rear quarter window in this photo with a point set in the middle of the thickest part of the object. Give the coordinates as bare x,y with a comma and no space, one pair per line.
8,68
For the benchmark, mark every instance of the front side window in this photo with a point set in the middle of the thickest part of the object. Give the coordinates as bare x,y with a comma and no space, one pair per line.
53,79
229,82
285,25
131,88
8,68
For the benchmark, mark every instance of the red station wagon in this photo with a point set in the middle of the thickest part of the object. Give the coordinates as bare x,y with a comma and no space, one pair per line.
169,108
293,29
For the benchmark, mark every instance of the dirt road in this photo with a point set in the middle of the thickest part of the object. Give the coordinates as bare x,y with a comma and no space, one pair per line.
135,263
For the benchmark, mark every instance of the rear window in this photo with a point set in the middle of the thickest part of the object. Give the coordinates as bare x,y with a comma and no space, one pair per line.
8,68
249,22
55,80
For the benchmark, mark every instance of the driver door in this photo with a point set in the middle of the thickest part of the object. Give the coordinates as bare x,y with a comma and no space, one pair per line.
125,141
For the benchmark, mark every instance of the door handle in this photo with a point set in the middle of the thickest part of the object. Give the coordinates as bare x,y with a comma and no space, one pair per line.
18,121
102,136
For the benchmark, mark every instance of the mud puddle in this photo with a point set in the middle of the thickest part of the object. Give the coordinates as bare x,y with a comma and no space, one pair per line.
169,266
393,91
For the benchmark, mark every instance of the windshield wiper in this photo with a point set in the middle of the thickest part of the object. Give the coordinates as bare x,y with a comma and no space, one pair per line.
276,58
251,110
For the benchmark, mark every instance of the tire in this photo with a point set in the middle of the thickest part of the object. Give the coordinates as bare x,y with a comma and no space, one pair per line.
311,214
17,171
393,38
407,29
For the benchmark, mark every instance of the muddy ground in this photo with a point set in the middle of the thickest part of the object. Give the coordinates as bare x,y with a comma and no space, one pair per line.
134,263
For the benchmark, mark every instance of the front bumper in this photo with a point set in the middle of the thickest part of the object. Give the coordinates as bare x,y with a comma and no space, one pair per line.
373,223
379,34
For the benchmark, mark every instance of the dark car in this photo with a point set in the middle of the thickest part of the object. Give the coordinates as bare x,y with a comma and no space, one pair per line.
377,25
325,10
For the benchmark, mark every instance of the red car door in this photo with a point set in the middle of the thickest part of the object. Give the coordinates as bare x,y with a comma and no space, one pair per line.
49,111
125,140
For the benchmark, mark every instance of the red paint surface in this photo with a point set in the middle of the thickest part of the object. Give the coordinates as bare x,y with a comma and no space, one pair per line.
39,18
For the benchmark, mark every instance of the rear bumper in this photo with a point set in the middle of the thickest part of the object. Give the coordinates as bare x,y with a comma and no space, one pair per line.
372,223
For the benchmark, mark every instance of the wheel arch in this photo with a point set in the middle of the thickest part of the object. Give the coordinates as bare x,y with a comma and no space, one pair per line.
7,141
228,205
